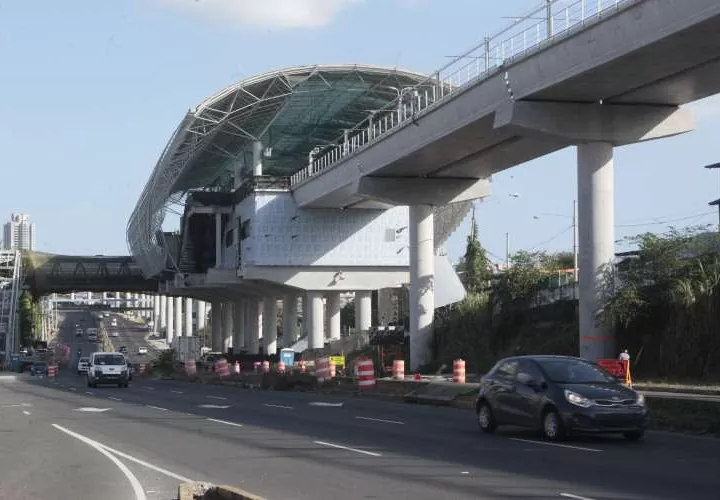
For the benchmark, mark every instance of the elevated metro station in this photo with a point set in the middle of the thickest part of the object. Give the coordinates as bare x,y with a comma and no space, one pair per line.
244,242
316,180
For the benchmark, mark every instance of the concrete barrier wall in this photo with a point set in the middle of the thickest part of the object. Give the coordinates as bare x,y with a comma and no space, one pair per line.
205,491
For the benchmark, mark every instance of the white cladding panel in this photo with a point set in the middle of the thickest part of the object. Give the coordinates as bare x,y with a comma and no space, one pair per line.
281,234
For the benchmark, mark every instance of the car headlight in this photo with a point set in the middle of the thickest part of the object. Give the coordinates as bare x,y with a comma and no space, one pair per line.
640,401
577,399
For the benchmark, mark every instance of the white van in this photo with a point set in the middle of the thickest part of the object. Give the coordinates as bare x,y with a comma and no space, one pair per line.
107,368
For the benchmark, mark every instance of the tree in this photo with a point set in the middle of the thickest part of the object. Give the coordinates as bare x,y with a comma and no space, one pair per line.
664,302
27,319
475,265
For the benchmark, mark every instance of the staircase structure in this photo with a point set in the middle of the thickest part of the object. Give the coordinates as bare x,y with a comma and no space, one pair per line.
10,289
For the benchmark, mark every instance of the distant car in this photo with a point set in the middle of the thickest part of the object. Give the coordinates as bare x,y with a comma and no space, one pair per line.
114,334
142,350
123,349
107,368
559,395
113,322
38,369
82,366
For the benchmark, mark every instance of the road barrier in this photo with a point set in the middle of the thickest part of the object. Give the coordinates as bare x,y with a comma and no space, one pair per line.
237,368
365,373
190,367
222,368
52,370
205,491
266,366
459,371
398,369
322,369
619,368
280,367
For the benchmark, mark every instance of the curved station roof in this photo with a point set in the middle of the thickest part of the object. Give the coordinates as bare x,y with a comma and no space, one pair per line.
291,111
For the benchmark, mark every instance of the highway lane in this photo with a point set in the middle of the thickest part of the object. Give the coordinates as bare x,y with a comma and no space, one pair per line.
39,460
132,335
83,318
302,445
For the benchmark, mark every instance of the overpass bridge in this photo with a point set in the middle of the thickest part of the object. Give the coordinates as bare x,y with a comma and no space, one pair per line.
382,164
50,273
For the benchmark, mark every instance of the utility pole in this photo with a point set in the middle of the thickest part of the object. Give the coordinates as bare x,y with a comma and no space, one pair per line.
716,202
507,251
575,242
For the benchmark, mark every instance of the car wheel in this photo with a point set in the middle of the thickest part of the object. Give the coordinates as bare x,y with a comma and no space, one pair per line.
485,418
552,425
634,435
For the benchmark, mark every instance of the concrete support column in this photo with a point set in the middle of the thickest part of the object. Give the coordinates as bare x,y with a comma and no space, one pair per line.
201,315
218,240
257,152
238,340
363,311
188,330
170,320
156,313
290,329
118,296
252,321
216,341
315,320
227,314
270,325
163,313
596,235
178,316
422,277
333,312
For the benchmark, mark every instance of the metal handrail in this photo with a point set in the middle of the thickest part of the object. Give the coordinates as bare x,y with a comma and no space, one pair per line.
522,38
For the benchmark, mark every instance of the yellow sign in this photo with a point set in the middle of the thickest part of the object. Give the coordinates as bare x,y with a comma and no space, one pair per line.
338,360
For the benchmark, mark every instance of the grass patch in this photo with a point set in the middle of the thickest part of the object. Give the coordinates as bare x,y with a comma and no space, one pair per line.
678,415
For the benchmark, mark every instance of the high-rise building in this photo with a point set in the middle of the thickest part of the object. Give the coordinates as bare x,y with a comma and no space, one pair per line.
19,233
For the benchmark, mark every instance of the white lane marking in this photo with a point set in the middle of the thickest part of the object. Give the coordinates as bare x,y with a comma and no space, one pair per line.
90,409
62,385
156,408
222,407
177,392
216,397
89,393
72,388
131,458
150,388
279,406
224,422
381,420
341,447
323,403
575,497
25,412
557,445
136,486
114,398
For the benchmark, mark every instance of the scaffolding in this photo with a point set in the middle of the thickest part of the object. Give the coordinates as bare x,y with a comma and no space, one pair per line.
10,290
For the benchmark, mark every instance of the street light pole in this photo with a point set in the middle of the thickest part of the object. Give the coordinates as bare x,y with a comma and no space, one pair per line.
507,251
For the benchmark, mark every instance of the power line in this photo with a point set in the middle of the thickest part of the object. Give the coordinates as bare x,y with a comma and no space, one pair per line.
657,223
557,235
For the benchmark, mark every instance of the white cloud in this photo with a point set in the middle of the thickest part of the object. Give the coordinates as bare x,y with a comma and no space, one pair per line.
267,14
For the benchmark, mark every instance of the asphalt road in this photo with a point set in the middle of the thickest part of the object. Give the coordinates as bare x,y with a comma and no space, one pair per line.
308,446
83,318
132,335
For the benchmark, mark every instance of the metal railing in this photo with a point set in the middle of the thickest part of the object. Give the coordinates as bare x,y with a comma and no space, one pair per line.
543,26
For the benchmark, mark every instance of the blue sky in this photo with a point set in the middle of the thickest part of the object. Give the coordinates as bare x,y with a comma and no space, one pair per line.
93,89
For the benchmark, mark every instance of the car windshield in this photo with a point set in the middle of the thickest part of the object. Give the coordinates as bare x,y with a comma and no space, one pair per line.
109,359
574,371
